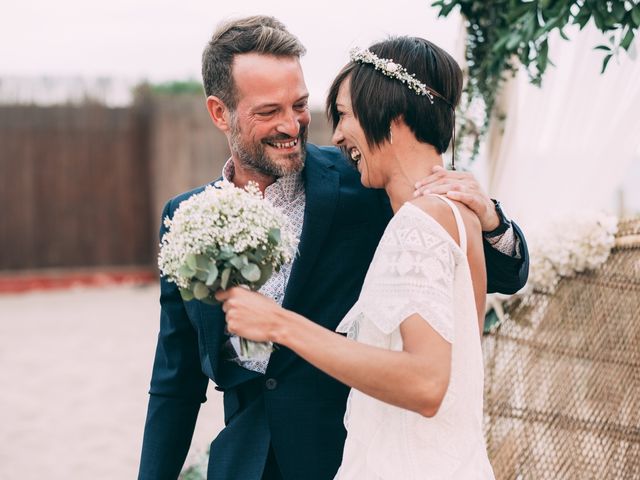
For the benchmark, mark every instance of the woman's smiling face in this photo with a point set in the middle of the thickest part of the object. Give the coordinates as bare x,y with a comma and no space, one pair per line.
349,135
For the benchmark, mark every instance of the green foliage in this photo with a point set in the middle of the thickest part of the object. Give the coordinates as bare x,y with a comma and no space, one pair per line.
177,87
501,34
224,268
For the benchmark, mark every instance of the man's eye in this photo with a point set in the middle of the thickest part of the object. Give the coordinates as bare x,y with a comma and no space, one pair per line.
300,106
267,113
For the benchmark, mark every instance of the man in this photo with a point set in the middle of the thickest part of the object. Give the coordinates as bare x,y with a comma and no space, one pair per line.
283,417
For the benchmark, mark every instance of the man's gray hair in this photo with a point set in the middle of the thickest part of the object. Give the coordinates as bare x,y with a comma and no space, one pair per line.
257,34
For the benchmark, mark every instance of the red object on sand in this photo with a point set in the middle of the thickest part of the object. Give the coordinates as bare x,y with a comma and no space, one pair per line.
54,280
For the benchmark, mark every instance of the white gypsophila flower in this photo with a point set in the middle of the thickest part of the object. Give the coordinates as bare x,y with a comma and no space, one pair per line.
223,218
568,245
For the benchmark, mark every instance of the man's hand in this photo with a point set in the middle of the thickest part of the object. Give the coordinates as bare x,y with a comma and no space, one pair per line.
463,187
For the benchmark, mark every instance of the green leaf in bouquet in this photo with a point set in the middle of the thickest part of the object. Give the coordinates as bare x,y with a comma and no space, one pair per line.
186,294
224,278
266,270
201,275
258,255
202,268
212,274
239,261
251,272
186,271
202,262
226,253
274,236
191,261
200,290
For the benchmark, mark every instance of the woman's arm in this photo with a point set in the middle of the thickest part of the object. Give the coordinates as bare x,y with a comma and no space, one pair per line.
415,378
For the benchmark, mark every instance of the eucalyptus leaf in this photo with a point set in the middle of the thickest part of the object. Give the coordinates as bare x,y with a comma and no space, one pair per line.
255,257
215,285
212,274
266,271
226,253
191,261
186,271
239,261
251,272
201,275
200,290
186,294
260,254
274,236
224,278
202,262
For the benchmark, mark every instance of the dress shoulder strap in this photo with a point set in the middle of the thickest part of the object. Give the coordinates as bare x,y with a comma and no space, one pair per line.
462,231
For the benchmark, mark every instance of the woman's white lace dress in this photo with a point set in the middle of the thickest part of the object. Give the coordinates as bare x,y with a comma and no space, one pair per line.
418,268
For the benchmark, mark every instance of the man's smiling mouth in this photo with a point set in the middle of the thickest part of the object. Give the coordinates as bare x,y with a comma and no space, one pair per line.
283,145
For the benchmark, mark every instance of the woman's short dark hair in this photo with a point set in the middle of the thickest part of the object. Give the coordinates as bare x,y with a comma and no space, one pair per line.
377,100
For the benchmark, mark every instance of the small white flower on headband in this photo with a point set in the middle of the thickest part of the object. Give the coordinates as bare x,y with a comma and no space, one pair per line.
393,70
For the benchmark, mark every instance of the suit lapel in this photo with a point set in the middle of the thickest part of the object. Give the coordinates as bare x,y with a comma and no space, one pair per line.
322,183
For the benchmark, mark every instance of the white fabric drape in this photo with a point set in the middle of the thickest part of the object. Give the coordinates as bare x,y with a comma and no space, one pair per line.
568,145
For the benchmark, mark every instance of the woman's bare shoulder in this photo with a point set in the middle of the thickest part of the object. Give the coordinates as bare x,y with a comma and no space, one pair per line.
442,213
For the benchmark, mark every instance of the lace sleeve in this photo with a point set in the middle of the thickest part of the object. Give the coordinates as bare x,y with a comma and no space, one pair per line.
412,272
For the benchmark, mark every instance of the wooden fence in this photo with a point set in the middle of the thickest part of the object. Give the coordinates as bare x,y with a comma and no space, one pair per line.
83,186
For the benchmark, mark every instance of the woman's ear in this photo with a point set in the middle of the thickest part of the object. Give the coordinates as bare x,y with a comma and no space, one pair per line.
219,113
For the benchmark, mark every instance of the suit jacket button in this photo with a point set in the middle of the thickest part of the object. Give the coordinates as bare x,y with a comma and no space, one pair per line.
271,383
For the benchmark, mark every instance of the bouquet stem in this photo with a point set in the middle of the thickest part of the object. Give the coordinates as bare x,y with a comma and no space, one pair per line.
250,350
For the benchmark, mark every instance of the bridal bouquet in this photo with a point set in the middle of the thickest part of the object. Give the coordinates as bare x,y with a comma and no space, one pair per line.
225,237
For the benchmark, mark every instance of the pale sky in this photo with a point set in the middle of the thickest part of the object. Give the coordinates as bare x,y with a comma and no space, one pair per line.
162,40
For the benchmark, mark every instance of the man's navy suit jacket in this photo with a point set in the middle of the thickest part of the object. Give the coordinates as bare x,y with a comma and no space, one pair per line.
294,407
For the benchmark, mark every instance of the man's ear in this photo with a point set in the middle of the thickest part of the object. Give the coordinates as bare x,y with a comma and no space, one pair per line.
219,113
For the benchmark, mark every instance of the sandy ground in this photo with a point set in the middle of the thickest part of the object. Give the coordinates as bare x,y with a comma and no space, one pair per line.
74,374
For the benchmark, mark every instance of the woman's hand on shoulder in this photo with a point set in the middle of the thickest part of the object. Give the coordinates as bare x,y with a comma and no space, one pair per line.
462,187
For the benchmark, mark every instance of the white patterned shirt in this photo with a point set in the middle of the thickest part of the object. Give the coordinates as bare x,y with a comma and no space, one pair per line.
286,193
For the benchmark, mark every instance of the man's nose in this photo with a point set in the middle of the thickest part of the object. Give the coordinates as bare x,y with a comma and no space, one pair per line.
289,124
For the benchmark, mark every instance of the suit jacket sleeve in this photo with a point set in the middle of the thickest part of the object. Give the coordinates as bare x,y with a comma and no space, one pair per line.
506,274
178,387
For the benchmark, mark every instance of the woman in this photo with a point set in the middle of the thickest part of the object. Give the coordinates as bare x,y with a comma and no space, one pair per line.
412,354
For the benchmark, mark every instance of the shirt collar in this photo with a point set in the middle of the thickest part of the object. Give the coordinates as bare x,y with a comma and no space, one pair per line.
287,188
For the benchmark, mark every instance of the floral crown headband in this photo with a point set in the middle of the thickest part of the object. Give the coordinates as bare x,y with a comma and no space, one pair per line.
392,69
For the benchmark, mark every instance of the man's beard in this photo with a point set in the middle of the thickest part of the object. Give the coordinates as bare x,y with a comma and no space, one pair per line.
255,157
